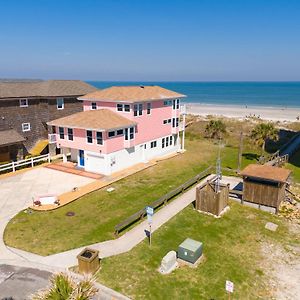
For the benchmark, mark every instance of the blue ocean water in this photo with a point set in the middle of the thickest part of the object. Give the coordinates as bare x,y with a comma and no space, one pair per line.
268,94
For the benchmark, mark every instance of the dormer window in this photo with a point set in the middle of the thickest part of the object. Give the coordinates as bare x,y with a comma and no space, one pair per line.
93,105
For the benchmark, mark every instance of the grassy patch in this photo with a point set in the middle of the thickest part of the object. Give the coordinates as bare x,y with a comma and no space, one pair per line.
231,251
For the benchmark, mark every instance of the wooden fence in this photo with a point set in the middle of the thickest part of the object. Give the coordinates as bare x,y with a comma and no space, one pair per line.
162,200
207,200
30,162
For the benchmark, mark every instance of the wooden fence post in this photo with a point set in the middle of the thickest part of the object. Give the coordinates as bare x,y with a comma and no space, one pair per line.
32,162
13,167
49,159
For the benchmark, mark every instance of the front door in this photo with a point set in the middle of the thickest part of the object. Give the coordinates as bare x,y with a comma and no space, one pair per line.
81,158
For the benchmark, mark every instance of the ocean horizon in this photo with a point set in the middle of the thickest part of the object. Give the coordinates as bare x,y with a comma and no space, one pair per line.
284,94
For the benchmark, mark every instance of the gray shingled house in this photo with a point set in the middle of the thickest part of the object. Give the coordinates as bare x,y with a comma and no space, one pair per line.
26,107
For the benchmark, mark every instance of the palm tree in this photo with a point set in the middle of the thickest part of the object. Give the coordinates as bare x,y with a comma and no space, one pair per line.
263,131
215,129
63,287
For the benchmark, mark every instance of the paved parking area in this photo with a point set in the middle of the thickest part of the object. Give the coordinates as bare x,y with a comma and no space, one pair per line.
19,283
19,190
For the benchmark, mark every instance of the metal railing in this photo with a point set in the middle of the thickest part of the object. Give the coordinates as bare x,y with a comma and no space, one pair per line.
162,200
13,166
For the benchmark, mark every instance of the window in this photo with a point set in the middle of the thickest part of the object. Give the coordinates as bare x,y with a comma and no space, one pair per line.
167,141
94,105
169,121
171,140
127,107
177,122
61,133
60,103
120,132
25,127
174,104
173,122
167,102
165,121
23,102
135,110
119,107
111,134
153,144
99,138
89,136
131,136
177,103
149,108
70,134
163,143
140,109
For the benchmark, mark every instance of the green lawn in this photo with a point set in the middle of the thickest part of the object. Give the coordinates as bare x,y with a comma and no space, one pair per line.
231,251
97,213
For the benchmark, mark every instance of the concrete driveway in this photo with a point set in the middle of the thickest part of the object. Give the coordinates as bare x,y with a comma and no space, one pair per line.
16,192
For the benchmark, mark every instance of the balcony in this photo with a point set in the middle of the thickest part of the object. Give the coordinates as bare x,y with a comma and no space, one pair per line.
52,138
183,109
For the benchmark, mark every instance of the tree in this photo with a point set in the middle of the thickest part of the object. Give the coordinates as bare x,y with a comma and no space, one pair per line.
262,132
63,287
215,129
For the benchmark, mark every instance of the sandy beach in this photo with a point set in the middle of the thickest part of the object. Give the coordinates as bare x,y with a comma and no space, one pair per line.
241,112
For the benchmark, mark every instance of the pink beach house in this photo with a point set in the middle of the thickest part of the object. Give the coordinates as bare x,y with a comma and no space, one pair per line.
120,127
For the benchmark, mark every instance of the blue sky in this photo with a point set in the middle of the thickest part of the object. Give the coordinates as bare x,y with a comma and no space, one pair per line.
150,40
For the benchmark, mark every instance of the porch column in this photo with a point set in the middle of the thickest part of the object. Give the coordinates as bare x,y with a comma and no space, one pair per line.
64,154
183,132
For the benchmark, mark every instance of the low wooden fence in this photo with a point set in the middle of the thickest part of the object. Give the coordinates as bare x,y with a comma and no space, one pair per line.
30,162
162,200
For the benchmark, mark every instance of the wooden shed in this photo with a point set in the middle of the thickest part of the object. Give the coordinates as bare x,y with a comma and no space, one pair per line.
264,185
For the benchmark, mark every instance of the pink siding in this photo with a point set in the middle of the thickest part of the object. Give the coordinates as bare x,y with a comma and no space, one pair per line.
150,127
80,142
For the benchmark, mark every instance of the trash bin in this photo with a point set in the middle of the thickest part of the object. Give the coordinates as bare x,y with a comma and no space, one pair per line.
88,261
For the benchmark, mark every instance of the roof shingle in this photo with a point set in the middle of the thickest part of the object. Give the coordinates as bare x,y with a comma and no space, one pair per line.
132,94
10,137
266,172
101,119
49,88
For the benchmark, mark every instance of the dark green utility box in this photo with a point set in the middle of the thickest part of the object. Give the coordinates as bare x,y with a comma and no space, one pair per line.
190,250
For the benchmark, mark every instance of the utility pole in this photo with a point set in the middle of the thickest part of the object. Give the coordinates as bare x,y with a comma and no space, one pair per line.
240,152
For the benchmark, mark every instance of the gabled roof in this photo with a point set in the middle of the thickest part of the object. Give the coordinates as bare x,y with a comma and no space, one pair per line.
10,137
101,120
49,88
131,94
266,172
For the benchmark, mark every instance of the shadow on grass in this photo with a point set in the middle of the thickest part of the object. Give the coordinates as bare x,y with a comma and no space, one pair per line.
251,156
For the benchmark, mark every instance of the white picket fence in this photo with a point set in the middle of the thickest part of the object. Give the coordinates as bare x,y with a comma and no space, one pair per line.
28,161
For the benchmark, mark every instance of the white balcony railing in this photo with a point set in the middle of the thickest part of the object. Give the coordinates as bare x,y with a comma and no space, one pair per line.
52,138
183,109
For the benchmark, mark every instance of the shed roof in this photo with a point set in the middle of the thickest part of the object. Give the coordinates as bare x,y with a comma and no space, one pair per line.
10,137
131,94
266,172
49,88
101,119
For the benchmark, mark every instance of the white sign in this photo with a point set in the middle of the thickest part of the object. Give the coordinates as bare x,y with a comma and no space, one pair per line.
149,217
229,286
150,210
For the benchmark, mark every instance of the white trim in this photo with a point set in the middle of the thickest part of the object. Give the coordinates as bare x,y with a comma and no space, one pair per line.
26,124
23,105
123,107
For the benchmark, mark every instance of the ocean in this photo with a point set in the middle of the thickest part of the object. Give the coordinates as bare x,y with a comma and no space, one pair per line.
266,94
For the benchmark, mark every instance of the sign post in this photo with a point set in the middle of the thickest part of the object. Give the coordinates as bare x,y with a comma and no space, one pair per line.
150,213
229,286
